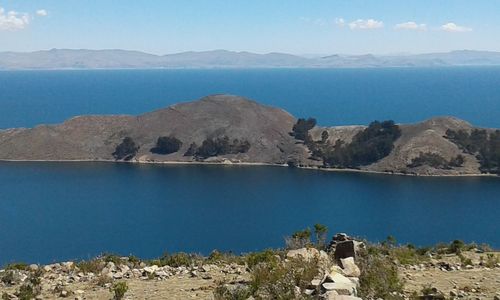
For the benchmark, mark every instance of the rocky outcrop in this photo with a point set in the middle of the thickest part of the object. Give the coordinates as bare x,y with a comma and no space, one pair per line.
263,132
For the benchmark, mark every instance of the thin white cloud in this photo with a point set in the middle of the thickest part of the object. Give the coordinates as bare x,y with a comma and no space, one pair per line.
340,22
366,24
452,27
42,13
13,20
411,26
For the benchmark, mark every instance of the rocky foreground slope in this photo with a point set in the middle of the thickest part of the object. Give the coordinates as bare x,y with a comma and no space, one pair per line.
346,269
232,129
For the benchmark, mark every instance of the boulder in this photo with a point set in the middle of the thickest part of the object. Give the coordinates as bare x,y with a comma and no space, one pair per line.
345,297
345,249
329,295
349,267
315,283
307,254
304,253
151,269
67,266
338,278
340,288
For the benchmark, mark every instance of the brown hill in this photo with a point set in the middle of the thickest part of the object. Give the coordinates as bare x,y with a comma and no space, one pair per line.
265,128
95,137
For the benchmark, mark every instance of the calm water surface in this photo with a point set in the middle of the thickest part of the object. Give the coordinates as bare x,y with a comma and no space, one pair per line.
56,211
334,97
52,212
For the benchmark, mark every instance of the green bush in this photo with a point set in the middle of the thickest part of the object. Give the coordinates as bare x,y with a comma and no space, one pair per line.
17,266
119,289
320,233
456,247
126,150
90,266
464,260
217,257
278,281
299,239
266,256
177,260
379,277
407,255
224,291
167,145
491,260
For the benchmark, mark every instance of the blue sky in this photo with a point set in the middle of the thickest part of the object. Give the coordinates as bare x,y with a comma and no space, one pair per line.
299,27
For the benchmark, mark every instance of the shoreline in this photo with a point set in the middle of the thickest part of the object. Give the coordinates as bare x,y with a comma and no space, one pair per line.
230,163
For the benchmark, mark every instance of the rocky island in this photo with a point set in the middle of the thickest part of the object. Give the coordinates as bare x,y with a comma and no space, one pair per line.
235,130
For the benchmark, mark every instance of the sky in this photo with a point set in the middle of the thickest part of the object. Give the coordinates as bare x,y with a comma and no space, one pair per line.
261,26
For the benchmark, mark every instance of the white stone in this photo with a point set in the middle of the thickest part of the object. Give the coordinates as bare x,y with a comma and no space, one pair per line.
151,269
339,278
341,288
305,253
315,282
350,268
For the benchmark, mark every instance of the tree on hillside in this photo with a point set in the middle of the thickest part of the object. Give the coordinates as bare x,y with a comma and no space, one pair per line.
126,150
367,146
324,136
191,151
167,145
320,231
220,146
301,129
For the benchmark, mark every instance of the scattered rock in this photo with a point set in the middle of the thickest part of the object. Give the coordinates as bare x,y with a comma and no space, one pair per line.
349,267
340,288
305,253
338,278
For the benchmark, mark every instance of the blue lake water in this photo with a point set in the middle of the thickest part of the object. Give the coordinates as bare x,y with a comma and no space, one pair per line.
334,97
57,211
54,211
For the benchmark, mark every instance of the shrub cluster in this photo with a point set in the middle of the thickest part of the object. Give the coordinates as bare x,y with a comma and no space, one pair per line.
485,146
436,161
218,146
166,145
303,238
301,129
367,146
126,150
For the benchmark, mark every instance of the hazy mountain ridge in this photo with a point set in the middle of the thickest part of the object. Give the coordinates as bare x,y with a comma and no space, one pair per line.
124,59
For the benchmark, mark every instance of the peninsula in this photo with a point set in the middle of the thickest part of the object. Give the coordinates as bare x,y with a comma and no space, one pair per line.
235,130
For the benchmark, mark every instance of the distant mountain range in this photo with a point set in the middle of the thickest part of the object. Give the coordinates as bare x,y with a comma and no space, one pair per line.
123,59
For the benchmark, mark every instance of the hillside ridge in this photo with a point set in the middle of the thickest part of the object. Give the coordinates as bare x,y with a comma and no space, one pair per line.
235,130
